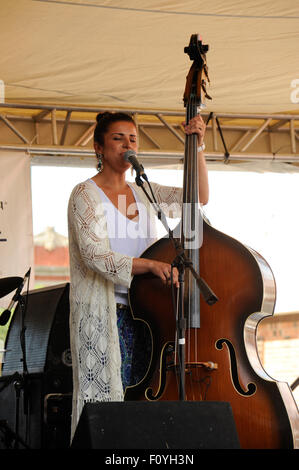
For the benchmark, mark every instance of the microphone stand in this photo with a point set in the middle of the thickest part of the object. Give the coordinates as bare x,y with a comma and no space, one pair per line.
20,381
181,262
9,434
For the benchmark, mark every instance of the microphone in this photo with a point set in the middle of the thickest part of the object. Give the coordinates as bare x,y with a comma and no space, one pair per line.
6,314
130,156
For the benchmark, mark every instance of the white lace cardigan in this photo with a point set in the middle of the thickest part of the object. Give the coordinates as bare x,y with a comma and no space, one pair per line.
94,269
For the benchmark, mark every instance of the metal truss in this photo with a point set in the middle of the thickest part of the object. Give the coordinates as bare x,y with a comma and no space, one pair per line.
64,134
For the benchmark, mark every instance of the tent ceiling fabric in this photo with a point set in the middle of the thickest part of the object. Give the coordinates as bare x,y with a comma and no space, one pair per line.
131,54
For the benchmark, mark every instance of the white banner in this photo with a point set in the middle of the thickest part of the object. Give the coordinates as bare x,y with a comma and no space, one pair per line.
16,232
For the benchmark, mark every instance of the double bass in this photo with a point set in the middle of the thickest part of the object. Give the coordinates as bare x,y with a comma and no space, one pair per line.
227,289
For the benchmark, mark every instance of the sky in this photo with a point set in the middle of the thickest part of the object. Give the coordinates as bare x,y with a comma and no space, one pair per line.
258,209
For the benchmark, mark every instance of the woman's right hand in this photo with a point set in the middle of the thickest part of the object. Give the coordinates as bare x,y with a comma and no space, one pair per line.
158,268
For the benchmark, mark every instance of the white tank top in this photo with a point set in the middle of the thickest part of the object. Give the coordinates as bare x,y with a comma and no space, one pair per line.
127,236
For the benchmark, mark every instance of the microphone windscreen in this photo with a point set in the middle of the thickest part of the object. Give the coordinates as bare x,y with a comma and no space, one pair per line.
128,154
8,284
5,316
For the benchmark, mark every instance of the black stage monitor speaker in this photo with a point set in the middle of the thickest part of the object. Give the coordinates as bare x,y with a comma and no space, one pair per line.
38,404
156,425
47,336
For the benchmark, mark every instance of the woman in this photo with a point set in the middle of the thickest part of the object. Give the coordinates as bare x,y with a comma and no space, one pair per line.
111,224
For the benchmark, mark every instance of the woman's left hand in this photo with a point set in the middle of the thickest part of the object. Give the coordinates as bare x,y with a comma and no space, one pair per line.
196,126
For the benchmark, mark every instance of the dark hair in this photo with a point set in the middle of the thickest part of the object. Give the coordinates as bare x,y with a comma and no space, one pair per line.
103,122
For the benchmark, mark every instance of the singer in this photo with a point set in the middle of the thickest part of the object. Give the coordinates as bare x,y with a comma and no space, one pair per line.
111,224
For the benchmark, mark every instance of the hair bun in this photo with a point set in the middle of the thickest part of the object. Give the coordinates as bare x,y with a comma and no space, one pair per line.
103,115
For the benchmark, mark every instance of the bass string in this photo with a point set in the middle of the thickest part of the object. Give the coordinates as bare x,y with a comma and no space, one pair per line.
191,182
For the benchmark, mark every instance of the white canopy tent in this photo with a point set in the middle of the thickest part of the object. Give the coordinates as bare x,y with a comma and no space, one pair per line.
131,54
68,58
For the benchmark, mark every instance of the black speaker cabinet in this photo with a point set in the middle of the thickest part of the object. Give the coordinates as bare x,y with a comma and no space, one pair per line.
38,404
156,425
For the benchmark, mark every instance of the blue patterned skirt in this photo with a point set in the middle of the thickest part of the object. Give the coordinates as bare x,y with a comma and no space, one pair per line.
135,347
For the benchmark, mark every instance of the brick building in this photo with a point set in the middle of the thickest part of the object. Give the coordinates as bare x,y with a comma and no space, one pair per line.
278,345
51,258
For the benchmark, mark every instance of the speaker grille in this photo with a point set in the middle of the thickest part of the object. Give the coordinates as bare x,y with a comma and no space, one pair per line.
47,311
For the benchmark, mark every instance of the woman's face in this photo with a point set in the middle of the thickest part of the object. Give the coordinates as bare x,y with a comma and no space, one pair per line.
120,137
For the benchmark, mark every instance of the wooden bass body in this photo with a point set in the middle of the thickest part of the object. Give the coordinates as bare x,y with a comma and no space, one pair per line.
222,362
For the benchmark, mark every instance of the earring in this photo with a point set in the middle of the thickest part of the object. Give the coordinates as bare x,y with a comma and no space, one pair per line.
100,165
